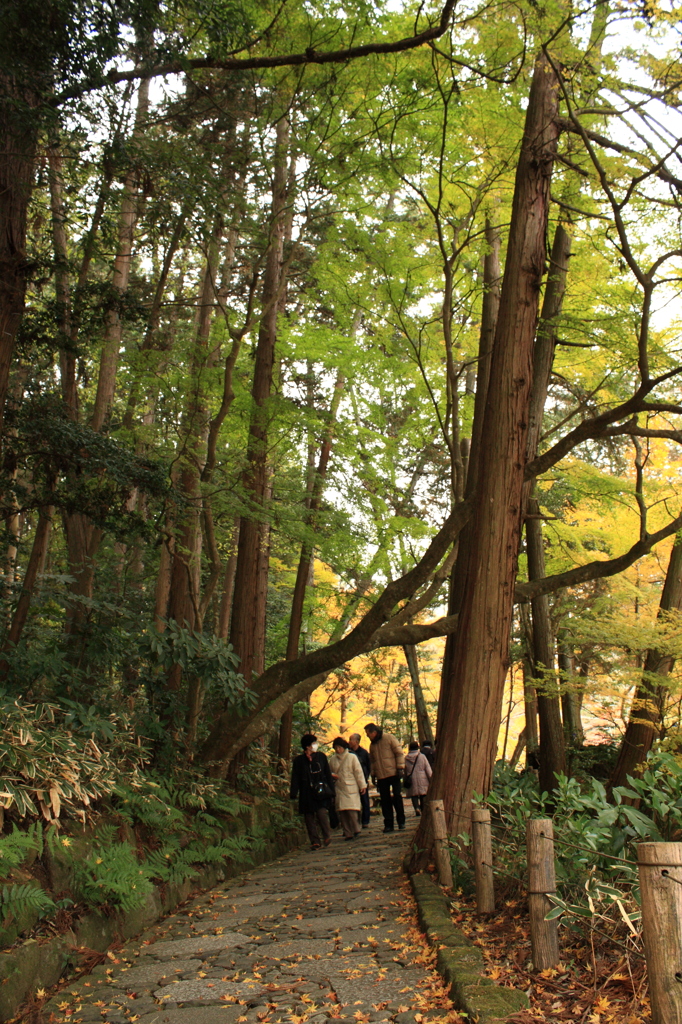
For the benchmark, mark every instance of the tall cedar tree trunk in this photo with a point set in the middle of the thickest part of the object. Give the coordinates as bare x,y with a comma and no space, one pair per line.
35,567
18,141
467,740
552,750
646,713
249,593
530,699
305,562
571,700
489,313
83,538
424,730
183,603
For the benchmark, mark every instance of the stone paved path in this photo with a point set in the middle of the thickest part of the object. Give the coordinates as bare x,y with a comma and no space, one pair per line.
313,936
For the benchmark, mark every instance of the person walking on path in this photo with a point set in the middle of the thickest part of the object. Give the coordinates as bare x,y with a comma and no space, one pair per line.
349,786
428,752
387,761
417,776
312,783
363,758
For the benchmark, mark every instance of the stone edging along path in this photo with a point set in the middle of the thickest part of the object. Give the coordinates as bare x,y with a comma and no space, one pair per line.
459,961
321,938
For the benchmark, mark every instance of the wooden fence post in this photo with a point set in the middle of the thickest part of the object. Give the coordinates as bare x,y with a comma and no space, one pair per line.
544,935
483,860
440,834
660,879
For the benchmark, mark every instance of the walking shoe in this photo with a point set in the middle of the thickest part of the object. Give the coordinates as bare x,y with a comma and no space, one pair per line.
417,814
401,826
327,841
365,826
387,829
315,846
348,837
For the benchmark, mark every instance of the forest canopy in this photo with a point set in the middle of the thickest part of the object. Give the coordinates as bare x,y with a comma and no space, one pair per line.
331,328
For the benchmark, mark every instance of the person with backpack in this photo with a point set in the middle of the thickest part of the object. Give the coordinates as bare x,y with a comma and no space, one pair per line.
417,776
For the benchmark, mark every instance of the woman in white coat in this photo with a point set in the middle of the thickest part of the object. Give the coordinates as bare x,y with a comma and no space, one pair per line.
349,786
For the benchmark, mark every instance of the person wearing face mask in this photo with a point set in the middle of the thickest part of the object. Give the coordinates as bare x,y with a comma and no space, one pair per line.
312,783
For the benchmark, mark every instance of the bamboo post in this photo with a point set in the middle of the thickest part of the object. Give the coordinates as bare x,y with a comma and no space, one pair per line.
544,935
660,879
483,860
440,835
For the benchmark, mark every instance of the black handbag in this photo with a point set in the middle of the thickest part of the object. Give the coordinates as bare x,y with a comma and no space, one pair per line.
407,779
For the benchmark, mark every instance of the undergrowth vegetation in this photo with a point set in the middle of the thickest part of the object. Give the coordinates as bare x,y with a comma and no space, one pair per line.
82,790
594,841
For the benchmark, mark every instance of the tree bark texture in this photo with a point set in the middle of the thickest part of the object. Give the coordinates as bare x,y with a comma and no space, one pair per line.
248,595
36,564
18,141
106,380
489,313
306,559
424,730
571,700
474,689
552,751
646,713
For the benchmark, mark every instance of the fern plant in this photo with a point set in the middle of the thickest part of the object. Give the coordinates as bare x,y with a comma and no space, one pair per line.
15,899
16,847
111,876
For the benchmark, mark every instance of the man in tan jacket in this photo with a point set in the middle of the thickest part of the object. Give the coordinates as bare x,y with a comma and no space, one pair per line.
387,761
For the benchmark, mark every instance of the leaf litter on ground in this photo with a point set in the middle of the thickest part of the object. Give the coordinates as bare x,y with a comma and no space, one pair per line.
596,982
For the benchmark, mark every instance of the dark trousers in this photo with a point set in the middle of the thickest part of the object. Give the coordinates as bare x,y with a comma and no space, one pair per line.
319,817
364,800
391,796
418,803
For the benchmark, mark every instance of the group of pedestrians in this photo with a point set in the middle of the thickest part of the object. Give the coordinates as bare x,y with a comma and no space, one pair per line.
336,791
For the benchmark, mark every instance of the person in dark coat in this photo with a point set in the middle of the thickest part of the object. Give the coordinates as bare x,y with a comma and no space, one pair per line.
312,783
428,752
363,757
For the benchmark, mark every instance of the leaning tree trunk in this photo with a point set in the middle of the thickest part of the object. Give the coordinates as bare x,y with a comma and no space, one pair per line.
467,741
646,714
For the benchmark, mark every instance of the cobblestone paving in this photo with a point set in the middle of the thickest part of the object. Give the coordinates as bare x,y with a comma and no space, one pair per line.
313,936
